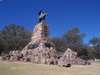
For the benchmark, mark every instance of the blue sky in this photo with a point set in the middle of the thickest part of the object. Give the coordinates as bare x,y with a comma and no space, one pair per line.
62,15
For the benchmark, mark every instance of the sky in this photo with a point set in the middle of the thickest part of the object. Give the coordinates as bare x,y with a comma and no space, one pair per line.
62,15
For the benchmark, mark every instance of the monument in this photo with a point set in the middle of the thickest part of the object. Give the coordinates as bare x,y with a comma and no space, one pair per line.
70,57
40,49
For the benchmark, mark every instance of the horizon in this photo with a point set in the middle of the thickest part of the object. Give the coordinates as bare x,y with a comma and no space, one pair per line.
62,15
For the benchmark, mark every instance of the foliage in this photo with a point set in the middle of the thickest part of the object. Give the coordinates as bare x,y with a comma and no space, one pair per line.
87,52
95,42
13,37
73,39
59,44
16,37
73,36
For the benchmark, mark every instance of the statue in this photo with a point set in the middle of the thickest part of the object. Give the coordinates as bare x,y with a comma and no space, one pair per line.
42,14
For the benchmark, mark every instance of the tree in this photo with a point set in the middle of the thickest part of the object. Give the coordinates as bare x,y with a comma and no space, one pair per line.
3,44
86,52
74,38
95,42
14,37
59,44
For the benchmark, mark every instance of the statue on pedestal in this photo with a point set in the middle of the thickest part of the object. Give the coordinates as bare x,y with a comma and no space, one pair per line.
42,14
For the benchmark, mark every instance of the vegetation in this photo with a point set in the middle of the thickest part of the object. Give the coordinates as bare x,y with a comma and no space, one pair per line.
95,42
15,37
74,39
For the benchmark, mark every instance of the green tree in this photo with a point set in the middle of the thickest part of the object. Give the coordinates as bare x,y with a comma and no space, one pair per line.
86,52
14,37
95,42
3,44
74,38
59,44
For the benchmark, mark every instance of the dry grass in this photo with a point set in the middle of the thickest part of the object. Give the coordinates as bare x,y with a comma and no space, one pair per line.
7,68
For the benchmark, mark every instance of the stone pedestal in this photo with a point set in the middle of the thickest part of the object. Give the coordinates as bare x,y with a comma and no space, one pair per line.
40,49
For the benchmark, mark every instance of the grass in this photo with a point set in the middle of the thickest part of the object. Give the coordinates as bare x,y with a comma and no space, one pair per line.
8,68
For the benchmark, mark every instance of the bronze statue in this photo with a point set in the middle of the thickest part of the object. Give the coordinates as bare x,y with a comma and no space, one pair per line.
42,14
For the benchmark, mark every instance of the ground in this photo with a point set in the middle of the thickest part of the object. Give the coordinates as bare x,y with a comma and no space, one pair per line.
9,68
